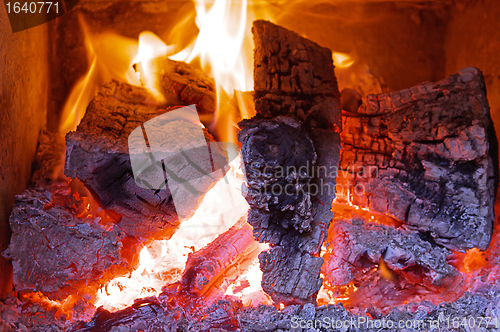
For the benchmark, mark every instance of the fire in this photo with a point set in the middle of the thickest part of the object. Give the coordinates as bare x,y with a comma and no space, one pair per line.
223,49
109,56
150,47
220,44
473,260
333,294
342,60
350,211
85,206
385,272
163,261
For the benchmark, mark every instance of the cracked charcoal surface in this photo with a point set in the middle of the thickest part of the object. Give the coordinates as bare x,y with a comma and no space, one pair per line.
294,83
58,253
421,316
191,85
349,243
269,148
277,154
97,154
426,157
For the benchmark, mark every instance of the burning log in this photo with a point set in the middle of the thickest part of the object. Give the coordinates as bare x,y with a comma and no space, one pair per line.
353,245
191,85
422,155
207,265
294,135
98,155
209,271
60,248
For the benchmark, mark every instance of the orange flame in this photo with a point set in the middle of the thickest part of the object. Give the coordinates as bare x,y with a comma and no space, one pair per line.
162,261
384,271
219,49
105,63
473,260
342,60
150,47
223,47
219,45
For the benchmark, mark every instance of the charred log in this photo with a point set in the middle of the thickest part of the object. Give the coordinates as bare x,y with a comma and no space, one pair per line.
290,274
422,155
207,265
352,245
294,75
58,249
224,317
187,83
324,318
294,133
98,155
151,315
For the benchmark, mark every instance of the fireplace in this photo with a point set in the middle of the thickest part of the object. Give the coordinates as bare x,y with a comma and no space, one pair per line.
195,267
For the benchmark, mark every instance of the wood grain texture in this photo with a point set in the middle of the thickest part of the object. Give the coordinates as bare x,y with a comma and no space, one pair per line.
55,249
98,155
353,243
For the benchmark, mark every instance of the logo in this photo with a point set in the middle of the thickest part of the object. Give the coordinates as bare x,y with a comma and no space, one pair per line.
171,151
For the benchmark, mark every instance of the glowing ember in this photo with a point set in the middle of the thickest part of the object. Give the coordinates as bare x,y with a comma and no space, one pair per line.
162,262
330,294
247,286
219,49
387,288
349,211
473,260
223,49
